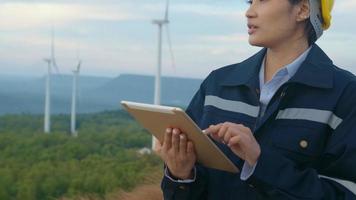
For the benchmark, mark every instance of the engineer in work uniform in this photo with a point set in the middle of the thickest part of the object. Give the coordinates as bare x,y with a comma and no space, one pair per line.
293,134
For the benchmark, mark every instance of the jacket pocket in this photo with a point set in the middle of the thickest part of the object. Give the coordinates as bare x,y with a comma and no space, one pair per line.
299,142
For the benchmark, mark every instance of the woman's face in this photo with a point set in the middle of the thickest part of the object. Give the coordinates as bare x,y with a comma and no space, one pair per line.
272,22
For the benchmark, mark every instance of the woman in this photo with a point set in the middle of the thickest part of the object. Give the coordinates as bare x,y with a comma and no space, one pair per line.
285,116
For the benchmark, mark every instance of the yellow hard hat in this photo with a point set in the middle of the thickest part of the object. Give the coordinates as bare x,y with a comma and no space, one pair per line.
326,7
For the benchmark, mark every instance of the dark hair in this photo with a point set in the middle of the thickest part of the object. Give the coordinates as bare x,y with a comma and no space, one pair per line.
309,30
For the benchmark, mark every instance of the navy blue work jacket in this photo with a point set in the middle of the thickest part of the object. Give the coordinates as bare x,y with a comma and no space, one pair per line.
307,134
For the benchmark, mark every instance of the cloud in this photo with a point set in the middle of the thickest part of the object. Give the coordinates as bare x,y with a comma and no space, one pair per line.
232,38
233,12
17,16
345,6
205,34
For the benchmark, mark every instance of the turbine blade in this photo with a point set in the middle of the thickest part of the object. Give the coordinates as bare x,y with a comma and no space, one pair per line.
54,64
53,54
79,65
166,16
52,41
170,46
52,45
47,60
78,51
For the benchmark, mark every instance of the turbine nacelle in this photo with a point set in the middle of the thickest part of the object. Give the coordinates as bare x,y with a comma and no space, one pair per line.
77,70
47,60
160,21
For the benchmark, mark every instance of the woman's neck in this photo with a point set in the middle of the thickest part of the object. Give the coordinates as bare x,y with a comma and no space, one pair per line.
281,55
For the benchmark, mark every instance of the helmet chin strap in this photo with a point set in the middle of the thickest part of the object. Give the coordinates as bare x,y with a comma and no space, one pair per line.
316,18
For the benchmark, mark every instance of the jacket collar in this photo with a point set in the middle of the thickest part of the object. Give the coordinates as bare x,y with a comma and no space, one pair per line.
315,71
246,72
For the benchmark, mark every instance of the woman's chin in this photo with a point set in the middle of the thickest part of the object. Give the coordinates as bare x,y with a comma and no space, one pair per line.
255,42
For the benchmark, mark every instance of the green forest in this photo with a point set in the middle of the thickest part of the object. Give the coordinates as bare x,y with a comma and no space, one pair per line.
102,159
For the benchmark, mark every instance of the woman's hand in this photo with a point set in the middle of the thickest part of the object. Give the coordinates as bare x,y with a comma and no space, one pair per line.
178,153
239,138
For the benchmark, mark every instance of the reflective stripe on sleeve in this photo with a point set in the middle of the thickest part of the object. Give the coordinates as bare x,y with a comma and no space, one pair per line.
232,106
321,116
347,184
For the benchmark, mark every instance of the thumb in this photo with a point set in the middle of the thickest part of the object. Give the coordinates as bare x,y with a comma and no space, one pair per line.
158,146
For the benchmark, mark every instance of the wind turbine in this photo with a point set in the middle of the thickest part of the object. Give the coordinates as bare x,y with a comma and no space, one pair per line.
74,100
51,62
157,91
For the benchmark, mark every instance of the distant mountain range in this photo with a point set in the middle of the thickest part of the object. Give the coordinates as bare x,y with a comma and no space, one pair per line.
26,95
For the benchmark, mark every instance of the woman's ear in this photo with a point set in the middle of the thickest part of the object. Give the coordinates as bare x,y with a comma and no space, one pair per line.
303,11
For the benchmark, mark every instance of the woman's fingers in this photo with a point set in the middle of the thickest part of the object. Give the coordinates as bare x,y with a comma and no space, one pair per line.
222,131
227,137
182,145
167,141
243,129
214,136
213,131
190,148
239,138
179,154
175,141
234,140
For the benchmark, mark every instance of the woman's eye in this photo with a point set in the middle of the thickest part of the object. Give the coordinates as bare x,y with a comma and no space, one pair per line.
249,1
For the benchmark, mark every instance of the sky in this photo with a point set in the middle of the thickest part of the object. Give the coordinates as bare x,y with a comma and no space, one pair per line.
113,37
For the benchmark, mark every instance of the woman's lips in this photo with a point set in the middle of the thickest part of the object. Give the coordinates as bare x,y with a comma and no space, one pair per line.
251,29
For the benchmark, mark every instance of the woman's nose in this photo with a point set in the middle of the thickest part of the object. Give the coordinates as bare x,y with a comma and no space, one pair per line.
250,12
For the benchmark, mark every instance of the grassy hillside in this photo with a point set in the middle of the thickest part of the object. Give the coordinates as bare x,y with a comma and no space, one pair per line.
101,162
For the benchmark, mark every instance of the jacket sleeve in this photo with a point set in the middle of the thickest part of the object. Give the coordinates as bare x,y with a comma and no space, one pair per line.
335,175
184,191
196,190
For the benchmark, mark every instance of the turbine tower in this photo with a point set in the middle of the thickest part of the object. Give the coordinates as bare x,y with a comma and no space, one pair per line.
47,114
74,100
51,62
157,91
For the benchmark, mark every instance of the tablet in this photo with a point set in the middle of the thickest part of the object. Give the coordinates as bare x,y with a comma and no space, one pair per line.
156,119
